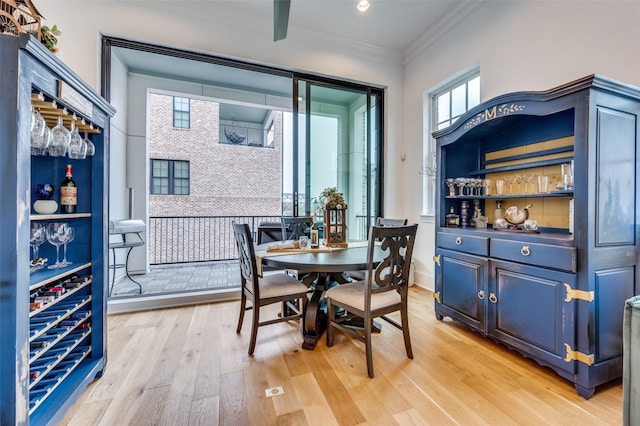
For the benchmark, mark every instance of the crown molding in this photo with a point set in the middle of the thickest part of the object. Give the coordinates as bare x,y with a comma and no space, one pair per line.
461,11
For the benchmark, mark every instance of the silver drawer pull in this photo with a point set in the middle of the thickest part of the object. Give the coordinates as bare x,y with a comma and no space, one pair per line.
493,298
459,240
525,251
481,295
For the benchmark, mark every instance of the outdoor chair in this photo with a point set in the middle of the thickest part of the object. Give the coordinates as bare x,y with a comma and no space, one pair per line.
295,227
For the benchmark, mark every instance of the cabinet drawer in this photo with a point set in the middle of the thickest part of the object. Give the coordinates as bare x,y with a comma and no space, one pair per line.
544,255
465,243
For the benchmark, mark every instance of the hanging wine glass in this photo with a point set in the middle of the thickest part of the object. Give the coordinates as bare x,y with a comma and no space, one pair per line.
56,235
70,234
38,236
91,148
59,140
77,147
40,134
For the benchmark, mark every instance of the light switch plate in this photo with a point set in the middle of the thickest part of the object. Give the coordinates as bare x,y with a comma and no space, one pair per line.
278,390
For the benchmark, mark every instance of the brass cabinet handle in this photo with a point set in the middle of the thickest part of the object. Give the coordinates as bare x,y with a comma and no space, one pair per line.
493,298
458,240
525,251
481,295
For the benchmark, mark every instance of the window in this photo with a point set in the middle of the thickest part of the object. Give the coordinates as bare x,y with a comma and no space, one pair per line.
447,102
271,134
169,177
454,100
180,112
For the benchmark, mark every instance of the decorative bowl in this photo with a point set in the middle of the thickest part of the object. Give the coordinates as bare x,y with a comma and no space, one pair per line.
44,191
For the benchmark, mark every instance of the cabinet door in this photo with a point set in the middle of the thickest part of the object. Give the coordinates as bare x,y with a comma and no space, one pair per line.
528,311
460,287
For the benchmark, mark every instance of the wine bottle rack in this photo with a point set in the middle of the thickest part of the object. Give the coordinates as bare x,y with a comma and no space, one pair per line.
53,330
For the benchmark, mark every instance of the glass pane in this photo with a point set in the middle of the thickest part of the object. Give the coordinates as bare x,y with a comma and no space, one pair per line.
160,168
181,186
181,169
181,104
444,124
443,107
473,92
459,100
160,186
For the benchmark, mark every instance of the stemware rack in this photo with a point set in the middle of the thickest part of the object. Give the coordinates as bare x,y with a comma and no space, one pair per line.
52,109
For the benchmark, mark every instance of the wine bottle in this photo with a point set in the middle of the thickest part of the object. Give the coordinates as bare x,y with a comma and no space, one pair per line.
314,234
68,193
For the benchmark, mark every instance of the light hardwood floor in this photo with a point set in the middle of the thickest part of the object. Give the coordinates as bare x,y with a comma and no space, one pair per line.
187,366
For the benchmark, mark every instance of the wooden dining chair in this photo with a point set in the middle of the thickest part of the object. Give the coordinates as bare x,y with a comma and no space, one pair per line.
295,227
384,290
380,221
265,290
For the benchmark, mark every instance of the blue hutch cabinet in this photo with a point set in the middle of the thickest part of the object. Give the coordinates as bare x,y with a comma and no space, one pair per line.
556,293
52,321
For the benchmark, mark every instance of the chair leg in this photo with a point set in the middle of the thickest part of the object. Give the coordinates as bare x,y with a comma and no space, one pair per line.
243,307
368,324
303,311
404,315
331,316
254,328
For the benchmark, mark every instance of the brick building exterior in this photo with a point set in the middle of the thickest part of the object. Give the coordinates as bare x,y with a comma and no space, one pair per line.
224,179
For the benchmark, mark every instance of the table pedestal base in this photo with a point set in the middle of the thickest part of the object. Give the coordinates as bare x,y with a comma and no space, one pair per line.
315,317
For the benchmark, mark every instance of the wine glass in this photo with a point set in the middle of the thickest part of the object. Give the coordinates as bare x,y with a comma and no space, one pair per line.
526,178
486,184
56,235
452,186
509,179
40,134
70,235
91,148
38,236
460,183
77,147
59,140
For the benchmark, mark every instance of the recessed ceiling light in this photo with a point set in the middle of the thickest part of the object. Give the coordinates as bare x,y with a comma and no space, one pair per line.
363,5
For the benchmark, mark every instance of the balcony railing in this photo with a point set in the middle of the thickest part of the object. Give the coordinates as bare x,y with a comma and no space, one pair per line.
181,239
196,238
241,135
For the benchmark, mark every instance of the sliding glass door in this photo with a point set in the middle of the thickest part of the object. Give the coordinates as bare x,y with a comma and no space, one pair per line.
337,144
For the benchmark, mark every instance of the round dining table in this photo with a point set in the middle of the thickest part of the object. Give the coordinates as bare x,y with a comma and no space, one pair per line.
320,271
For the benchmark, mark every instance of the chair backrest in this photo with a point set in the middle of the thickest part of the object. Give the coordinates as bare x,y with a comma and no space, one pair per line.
393,272
246,257
385,221
295,227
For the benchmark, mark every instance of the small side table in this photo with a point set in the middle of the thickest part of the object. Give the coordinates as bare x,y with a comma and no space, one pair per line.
124,244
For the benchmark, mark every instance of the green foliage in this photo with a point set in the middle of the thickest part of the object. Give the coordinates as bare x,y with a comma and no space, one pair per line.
331,198
49,36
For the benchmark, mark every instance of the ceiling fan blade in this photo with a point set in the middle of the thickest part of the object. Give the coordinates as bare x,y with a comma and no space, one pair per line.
280,18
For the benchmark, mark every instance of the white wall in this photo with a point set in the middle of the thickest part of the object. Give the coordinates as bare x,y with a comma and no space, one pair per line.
223,33
523,45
